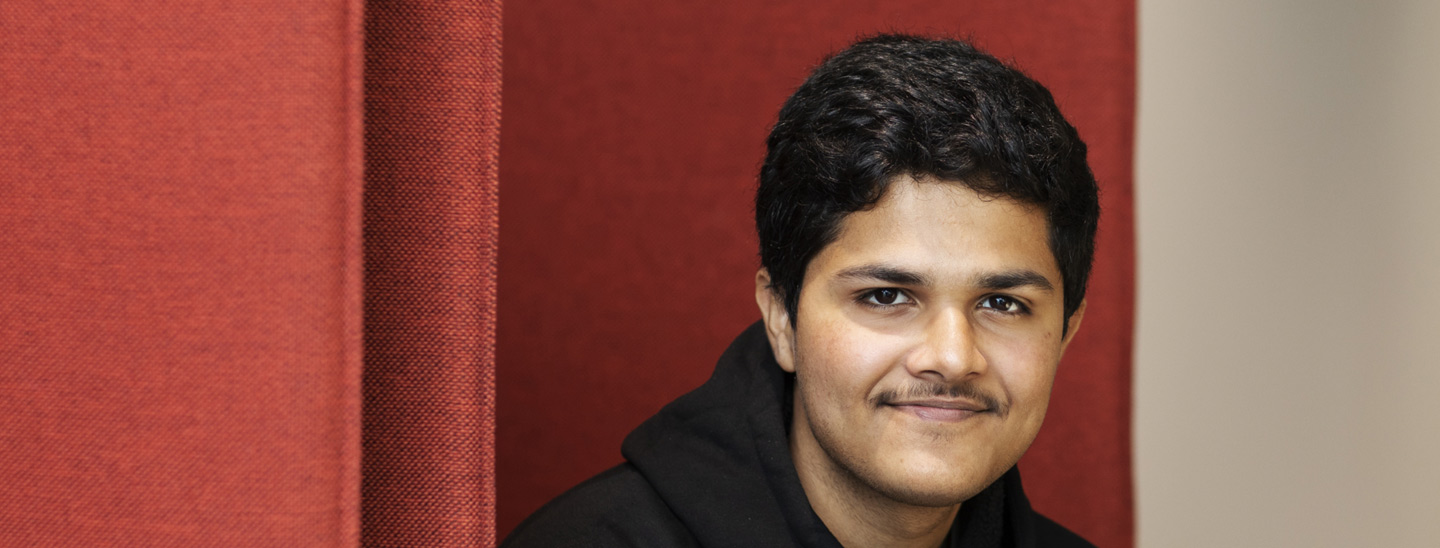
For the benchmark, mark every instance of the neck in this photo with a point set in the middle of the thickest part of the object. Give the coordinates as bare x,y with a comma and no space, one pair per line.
855,512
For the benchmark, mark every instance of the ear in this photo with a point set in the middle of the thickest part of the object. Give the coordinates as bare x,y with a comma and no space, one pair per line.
777,321
1072,326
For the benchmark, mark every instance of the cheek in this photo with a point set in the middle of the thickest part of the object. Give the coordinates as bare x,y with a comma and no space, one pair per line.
844,361
1026,369
1025,372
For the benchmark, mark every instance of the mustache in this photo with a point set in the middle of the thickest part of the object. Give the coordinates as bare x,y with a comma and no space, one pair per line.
921,391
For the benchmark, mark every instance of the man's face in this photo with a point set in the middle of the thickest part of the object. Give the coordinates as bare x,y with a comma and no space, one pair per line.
925,345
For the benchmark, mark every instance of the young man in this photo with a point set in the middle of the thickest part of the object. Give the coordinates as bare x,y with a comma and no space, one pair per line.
927,221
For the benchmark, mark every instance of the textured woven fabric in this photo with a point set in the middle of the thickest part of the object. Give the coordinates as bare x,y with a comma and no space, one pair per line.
180,283
633,134
432,110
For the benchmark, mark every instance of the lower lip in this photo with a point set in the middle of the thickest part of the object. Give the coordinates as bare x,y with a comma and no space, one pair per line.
938,414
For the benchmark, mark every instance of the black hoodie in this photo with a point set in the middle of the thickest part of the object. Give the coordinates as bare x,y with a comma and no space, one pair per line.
713,469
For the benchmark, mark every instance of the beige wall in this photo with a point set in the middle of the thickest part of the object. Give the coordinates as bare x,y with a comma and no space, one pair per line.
1288,202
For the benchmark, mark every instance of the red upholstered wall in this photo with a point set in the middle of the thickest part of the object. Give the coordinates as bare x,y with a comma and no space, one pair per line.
180,285
633,133
432,128
180,297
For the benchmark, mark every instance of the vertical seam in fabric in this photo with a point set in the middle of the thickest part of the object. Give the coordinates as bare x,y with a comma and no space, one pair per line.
354,285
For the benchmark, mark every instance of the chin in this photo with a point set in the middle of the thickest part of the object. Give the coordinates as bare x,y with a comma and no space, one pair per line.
934,487
929,498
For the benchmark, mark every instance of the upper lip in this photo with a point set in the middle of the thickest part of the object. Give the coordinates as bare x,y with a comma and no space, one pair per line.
960,404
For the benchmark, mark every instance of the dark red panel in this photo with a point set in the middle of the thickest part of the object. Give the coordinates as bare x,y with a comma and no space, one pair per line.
432,114
180,289
633,134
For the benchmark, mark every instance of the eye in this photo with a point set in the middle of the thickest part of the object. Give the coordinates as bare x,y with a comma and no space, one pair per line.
884,297
1002,303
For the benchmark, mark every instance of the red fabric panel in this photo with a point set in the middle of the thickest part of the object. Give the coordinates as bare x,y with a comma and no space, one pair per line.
633,135
432,113
180,294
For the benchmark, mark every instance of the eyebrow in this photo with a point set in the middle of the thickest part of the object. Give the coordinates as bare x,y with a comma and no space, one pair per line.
993,281
1011,279
884,273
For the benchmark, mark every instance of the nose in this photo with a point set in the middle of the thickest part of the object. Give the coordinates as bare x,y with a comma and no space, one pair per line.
947,348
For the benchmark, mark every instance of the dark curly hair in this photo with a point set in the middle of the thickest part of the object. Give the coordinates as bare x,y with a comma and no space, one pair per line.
895,105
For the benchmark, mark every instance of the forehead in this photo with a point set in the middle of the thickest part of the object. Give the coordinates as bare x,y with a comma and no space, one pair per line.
943,229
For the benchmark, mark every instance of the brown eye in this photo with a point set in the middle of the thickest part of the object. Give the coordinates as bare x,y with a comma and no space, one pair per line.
887,296
1003,304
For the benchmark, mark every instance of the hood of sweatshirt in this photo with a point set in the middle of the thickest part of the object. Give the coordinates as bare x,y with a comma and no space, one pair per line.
719,457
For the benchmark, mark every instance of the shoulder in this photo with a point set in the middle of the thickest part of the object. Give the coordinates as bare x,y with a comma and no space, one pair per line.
1049,534
616,508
